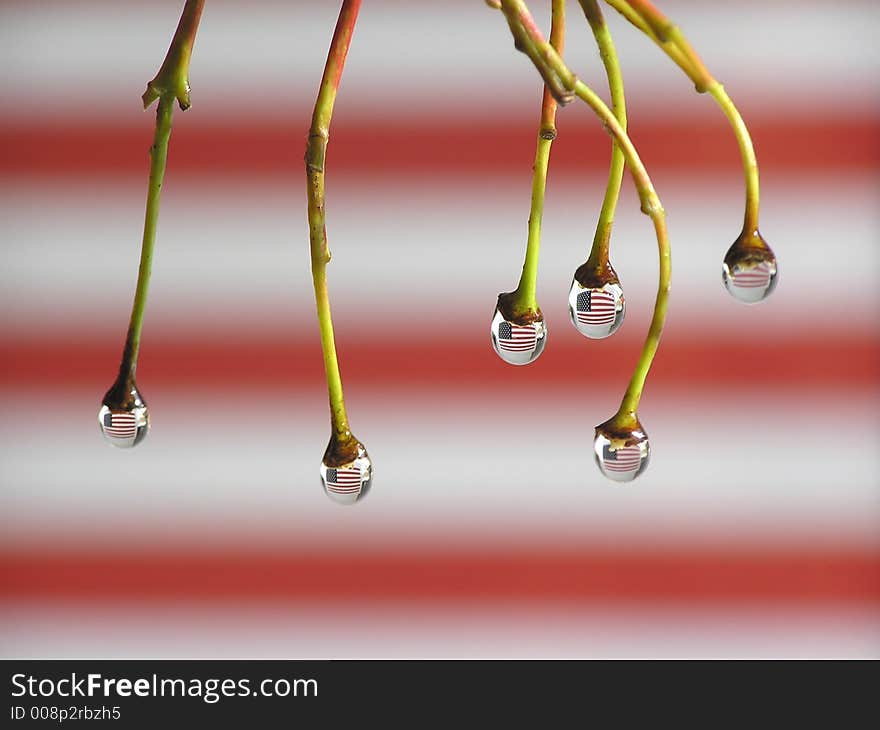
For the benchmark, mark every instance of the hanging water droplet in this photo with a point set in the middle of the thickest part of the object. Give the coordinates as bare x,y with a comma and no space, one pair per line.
348,482
518,343
621,456
749,269
596,312
124,427
596,303
123,417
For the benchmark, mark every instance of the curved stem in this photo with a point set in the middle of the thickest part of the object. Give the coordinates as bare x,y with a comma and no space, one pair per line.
170,83
626,417
647,18
528,39
669,47
747,152
316,151
517,12
629,405
524,300
602,240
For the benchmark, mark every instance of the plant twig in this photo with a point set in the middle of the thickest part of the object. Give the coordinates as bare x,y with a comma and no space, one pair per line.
173,76
522,304
343,445
518,15
597,266
170,83
528,39
647,18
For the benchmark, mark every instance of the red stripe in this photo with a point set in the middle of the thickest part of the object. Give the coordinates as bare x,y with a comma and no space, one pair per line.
622,465
586,573
426,146
468,361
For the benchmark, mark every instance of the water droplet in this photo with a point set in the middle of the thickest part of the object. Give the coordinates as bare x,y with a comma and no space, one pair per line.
518,344
621,456
124,427
749,269
123,417
349,482
596,312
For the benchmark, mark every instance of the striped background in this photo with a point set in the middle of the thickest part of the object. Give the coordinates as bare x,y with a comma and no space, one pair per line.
489,531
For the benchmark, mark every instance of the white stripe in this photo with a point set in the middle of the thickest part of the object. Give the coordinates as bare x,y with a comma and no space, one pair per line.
93,58
242,258
390,630
203,472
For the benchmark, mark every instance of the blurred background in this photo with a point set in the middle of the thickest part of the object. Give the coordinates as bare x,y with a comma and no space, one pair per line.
489,531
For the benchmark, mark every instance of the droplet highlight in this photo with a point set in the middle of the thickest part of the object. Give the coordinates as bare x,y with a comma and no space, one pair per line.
350,482
596,312
517,343
621,457
124,427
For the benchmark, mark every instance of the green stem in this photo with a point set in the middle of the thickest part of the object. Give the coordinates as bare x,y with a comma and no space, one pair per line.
747,152
158,159
602,240
626,417
527,38
657,27
524,298
316,150
645,16
520,20
173,75
627,413
170,83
